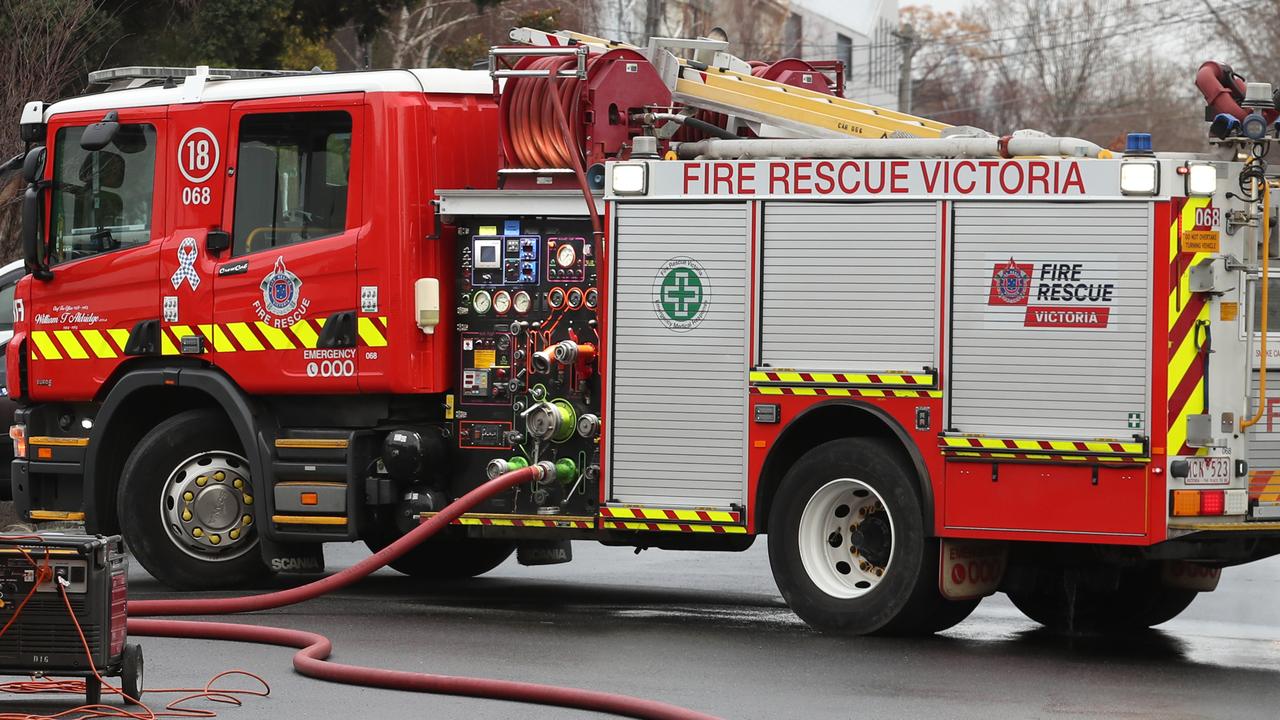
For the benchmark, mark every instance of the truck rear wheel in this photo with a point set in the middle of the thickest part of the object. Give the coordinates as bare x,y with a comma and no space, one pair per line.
847,544
1140,601
448,558
185,504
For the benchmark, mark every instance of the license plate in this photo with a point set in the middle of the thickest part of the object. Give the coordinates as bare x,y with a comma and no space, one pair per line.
1209,471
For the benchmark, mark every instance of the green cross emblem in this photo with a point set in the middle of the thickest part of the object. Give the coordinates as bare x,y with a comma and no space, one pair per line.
681,294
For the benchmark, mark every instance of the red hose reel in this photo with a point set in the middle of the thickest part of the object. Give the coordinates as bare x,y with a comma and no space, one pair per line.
618,83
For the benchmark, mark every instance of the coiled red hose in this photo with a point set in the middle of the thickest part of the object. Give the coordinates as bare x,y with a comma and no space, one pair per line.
311,659
530,125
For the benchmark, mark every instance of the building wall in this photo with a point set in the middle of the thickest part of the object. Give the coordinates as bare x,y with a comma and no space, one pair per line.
858,32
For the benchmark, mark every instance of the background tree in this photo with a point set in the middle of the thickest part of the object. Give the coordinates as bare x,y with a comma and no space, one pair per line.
47,49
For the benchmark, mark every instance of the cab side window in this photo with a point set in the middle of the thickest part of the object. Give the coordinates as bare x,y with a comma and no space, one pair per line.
102,199
291,183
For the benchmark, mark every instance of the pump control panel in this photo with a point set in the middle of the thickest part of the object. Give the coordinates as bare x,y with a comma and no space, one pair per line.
527,385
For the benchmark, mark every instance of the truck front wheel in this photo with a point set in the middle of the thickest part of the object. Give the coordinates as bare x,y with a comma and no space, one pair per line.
186,504
848,548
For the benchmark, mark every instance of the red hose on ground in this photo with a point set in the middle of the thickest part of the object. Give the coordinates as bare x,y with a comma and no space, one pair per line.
310,660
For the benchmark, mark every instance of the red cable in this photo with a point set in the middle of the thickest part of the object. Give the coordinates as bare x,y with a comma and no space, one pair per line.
310,660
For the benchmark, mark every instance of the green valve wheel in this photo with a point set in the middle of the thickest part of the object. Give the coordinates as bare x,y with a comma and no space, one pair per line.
566,470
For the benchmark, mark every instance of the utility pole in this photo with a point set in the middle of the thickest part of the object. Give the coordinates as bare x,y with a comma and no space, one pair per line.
908,46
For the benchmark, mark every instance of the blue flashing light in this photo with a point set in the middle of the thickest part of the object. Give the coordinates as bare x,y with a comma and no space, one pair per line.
1138,144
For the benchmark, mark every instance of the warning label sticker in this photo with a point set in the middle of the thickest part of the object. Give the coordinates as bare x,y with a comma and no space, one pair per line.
1201,241
1052,294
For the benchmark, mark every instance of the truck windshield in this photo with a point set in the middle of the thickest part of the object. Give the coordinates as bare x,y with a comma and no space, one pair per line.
102,199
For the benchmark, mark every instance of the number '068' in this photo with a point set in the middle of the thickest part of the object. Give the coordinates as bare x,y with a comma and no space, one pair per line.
195,196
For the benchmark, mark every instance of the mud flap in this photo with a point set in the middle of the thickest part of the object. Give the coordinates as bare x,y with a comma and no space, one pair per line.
1190,575
971,569
296,558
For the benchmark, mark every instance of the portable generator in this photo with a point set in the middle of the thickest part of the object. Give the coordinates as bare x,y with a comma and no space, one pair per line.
41,639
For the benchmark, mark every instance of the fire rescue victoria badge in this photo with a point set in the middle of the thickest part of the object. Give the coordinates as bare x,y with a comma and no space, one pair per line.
681,294
1010,283
282,303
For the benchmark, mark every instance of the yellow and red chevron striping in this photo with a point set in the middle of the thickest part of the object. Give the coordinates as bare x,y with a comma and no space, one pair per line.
524,523
638,513
1059,445
844,392
1044,457
1264,486
792,377
674,527
222,337
1186,311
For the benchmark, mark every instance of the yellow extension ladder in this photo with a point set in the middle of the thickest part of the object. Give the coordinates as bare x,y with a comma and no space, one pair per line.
715,86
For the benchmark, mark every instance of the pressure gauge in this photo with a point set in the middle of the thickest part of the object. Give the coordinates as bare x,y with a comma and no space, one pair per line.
482,301
574,298
566,255
502,302
522,302
592,297
555,298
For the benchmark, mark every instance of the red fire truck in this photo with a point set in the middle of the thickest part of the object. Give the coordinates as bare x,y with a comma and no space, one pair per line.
714,299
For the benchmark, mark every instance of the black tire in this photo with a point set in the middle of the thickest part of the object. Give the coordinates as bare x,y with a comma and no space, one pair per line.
1061,603
131,667
142,482
905,599
92,691
448,558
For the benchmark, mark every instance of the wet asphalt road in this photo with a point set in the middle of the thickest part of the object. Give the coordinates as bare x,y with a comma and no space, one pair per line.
709,631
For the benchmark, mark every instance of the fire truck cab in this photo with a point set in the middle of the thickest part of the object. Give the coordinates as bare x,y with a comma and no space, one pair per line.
711,301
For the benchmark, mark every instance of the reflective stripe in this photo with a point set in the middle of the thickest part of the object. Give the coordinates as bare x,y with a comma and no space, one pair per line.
119,336
110,343
370,333
305,334
44,344
99,344
67,340
275,337
217,337
245,336
308,520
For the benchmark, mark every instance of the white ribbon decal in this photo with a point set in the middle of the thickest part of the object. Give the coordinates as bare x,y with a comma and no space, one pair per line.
186,265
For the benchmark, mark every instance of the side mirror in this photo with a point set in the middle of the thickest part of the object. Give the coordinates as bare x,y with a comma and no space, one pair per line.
34,251
33,165
101,133
217,240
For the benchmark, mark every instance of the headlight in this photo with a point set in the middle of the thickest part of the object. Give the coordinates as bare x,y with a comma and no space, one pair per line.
1202,179
1140,176
630,179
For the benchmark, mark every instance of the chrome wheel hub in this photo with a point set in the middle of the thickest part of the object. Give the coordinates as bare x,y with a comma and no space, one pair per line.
207,506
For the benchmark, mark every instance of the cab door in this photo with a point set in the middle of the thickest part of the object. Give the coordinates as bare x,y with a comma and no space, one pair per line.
107,221
285,293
